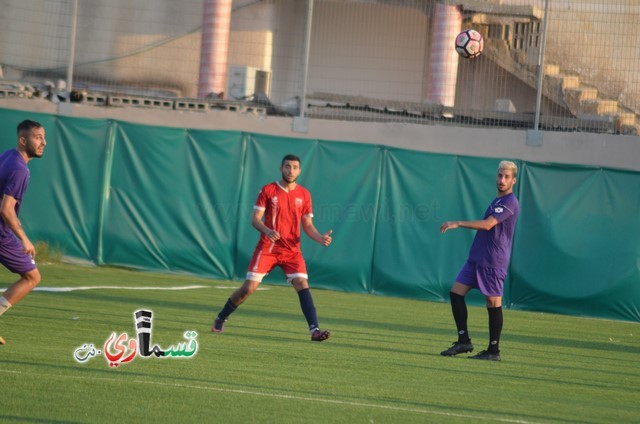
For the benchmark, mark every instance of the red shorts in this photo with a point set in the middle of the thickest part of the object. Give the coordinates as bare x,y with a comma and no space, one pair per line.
263,261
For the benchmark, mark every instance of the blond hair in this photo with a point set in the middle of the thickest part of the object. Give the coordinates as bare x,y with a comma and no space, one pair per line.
510,166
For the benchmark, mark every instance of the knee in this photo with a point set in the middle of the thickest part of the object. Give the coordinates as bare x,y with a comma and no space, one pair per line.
460,289
300,284
246,290
494,302
32,277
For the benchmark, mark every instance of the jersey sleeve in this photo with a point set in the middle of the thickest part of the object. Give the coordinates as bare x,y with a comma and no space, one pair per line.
307,209
504,210
261,201
17,183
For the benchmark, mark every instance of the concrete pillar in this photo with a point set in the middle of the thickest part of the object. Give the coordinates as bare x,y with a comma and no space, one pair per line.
443,60
216,24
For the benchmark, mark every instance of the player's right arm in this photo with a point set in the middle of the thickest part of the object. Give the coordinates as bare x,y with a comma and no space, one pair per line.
8,214
484,224
258,224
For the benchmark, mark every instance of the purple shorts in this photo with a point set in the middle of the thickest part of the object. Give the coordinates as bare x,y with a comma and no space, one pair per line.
13,257
490,281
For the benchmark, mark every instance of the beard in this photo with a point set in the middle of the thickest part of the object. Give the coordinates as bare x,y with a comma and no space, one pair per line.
32,152
503,189
289,179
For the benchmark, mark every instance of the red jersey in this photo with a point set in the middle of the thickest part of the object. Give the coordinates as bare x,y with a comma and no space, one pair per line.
284,210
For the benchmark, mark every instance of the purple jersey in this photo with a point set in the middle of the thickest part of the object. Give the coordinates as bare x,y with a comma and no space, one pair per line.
492,248
14,178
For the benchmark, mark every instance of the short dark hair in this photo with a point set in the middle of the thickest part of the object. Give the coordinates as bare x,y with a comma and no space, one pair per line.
290,157
28,125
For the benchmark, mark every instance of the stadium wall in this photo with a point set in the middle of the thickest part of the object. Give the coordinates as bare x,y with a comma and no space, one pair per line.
179,199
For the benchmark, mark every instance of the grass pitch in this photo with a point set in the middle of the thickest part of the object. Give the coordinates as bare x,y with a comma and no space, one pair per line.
381,365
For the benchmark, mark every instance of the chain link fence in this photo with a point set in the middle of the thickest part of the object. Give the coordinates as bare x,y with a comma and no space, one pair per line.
562,65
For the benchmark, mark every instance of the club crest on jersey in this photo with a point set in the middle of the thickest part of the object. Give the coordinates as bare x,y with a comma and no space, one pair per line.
298,202
499,209
274,200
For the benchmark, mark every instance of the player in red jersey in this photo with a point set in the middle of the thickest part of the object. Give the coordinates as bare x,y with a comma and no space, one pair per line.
285,206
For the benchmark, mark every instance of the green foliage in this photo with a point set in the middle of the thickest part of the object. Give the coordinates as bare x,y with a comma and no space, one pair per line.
382,363
48,254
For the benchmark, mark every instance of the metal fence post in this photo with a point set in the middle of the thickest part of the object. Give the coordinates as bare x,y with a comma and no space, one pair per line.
300,123
72,49
543,42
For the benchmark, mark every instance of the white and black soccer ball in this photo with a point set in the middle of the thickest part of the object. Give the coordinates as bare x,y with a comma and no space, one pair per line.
469,43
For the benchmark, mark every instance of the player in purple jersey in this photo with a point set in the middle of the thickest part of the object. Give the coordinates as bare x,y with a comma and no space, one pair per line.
486,267
17,253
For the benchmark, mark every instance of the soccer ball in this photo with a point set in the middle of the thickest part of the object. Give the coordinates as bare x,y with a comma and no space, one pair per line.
469,43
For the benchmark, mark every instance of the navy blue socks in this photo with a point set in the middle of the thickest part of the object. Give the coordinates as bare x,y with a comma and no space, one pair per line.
459,309
228,309
495,328
308,309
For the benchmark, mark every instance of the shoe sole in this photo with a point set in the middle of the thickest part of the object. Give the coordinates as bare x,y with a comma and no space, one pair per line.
456,353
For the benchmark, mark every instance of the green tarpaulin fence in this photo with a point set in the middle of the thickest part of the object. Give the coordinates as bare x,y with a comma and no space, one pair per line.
180,200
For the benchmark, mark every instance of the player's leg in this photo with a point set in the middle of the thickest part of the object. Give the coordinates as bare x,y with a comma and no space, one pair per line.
19,289
309,310
465,281
12,257
491,284
301,285
494,308
259,266
296,272
459,309
245,290
235,300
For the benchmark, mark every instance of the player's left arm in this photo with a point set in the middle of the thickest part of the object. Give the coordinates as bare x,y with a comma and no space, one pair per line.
310,230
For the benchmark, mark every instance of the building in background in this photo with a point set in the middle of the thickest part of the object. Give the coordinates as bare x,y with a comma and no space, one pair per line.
368,59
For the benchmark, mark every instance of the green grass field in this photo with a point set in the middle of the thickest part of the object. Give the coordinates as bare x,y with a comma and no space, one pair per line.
382,364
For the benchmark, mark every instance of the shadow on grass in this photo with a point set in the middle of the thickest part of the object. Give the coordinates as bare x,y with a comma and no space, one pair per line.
13,418
558,344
